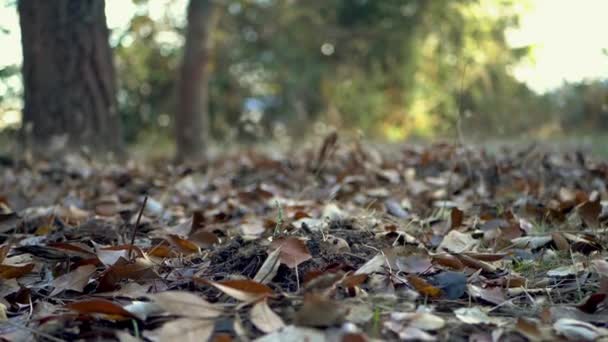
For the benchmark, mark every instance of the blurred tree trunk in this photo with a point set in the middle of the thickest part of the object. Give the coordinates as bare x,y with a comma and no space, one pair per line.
68,75
192,115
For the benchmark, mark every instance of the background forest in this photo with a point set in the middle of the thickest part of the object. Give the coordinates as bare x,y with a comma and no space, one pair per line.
392,69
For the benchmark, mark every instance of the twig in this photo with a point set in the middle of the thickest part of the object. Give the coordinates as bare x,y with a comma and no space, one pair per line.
141,211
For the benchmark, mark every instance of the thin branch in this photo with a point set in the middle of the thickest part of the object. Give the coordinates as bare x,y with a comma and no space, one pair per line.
141,211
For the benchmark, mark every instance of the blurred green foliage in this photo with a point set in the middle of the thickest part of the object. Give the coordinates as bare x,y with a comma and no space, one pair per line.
391,68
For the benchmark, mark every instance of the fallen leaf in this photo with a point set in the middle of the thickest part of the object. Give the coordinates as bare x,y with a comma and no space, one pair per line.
264,318
293,251
590,212
414,264
186,330
456,217
373,265
99,306
530,329
4,252
494,295
185,304
577,330
560,241
75,280
448,260
457,242
319,311
269,268
183,245
419,320
242,289
474,315
11,271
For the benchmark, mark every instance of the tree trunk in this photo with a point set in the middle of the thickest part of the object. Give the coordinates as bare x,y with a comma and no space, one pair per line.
192,115
68,75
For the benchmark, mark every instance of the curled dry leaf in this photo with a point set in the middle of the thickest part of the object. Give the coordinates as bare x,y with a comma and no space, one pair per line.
264,318
75,280
293,251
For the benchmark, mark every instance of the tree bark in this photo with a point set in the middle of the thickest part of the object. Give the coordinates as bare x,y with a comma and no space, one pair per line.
192,115
68,75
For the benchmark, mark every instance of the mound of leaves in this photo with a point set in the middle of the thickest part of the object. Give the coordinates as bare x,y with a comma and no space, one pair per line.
344,242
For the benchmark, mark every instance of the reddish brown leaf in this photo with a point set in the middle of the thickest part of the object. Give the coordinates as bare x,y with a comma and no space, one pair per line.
456,218
448,260
593,303
293,251
183,245
99,306
590,212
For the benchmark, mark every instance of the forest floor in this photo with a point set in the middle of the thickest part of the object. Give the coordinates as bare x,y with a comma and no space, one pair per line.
341,242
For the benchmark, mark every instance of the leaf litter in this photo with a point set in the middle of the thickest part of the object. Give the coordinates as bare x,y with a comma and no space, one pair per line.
345,241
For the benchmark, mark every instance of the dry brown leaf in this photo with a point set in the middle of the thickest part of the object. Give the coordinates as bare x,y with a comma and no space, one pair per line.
99,306
204,239
456,218
448,260
293,251
162,251
319,311
560,241
4,252
75,280
264,318
475,263
183,245
590,212
12,271
529,329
